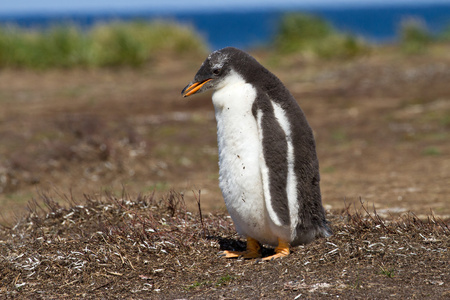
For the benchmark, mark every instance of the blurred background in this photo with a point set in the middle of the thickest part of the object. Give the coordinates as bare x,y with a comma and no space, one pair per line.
90,96
243,24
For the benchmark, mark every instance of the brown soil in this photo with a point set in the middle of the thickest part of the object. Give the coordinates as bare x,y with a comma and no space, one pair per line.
137,247
382,128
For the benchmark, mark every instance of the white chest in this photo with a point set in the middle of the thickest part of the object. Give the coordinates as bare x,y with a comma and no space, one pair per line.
238,139
237,135
237,130
239,157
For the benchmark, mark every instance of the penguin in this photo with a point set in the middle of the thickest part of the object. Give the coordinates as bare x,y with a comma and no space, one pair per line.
268,166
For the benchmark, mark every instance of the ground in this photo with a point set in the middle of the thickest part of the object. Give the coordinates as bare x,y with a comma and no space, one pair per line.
139,247
76,142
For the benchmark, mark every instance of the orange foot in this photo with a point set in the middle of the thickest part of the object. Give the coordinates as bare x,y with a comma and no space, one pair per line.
253,251
281,250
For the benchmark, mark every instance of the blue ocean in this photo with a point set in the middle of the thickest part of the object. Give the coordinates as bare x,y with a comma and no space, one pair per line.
247,29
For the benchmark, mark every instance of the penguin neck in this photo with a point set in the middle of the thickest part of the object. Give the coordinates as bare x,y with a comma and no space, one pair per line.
233,94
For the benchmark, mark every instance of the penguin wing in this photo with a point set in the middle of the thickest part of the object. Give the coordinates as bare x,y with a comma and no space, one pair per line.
276,159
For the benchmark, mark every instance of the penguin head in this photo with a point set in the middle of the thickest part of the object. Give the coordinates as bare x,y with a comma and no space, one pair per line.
212,72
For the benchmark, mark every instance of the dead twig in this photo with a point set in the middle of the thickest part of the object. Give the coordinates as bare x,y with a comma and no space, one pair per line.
69,283
200,211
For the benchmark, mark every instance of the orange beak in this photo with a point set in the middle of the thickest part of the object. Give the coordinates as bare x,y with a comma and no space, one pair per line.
192,88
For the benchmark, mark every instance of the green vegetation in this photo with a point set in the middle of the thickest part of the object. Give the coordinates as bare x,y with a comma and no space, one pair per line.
445,34
313,36
339,135
388,272
224,280
198,284
328,169
431,151
136,43
414,36
113,44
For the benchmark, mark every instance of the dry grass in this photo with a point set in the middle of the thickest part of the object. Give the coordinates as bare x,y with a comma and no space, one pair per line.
141,246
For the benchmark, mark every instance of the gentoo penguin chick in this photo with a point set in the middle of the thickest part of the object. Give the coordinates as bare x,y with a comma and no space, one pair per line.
269,172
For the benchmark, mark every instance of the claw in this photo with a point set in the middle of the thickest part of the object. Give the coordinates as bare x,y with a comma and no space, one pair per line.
241,254
281,250
253,251
221,254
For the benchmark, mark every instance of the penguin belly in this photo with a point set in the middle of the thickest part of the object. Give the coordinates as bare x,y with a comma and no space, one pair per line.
239,161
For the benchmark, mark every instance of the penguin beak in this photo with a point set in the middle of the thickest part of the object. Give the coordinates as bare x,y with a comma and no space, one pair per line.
193,87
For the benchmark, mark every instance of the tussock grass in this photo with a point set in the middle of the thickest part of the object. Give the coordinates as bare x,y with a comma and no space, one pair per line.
135,43
445,34
110,44
313,36
414,36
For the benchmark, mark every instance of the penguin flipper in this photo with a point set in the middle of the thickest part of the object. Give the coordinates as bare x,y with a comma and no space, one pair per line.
274,159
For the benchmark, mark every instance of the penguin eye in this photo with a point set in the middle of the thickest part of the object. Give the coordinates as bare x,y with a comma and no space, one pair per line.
216,71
